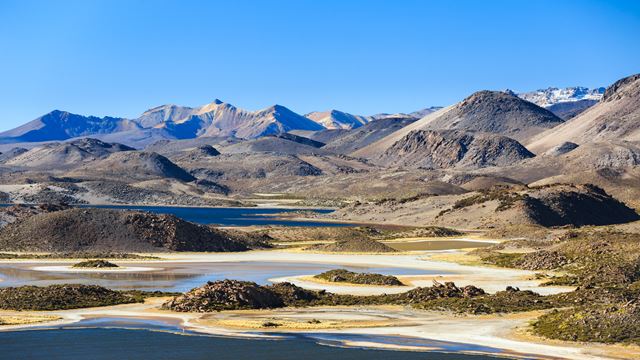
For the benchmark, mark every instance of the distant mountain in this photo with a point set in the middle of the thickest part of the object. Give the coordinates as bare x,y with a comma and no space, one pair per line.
222,119
564,102
169,122
61,125
552,95
334,119
615,118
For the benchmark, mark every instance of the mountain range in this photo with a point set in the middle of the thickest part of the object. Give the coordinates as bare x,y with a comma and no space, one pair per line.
200,155
223,119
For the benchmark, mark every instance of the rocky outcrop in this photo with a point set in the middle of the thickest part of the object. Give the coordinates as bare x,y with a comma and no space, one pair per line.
95,264
238,295
225,295
439,291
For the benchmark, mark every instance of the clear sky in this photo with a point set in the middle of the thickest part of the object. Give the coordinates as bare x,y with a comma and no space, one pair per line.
122,57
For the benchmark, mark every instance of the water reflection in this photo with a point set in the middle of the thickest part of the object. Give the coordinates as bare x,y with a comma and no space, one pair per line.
176,276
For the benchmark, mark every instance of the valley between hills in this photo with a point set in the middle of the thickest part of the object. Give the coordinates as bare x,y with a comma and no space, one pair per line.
505,224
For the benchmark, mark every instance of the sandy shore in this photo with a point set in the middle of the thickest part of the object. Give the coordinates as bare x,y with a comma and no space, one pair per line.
503,332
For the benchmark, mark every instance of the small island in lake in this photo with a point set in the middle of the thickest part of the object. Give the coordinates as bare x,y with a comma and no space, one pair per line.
95,264
346,276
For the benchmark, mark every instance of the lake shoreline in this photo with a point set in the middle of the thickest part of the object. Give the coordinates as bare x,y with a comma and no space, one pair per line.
499,332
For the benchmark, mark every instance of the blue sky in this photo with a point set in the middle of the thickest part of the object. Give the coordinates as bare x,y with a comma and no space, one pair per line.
122,57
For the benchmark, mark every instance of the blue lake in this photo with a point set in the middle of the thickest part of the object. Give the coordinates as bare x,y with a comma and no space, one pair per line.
106,343
230,216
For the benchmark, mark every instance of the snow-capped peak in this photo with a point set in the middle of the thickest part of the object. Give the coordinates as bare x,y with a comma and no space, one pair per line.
550,96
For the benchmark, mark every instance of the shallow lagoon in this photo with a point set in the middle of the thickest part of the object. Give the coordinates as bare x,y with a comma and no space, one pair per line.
177,276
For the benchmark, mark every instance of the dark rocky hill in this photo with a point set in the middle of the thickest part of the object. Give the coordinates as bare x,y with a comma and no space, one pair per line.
575,205
225,295
103,230
453,148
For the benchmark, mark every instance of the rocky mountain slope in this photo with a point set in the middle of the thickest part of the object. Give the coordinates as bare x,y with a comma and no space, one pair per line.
102,230
452,148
